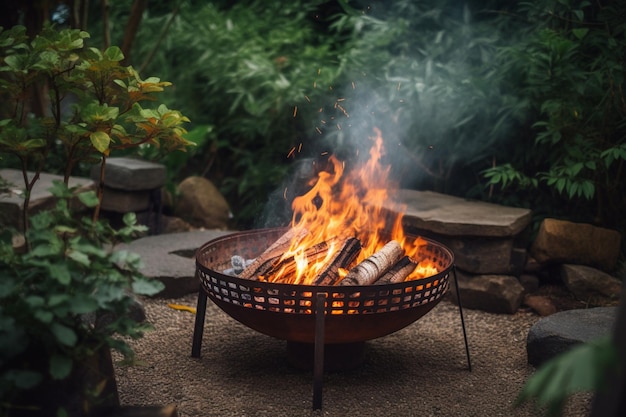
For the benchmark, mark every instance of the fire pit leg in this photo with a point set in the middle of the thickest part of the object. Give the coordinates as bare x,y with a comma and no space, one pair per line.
198,329
458,297
318,355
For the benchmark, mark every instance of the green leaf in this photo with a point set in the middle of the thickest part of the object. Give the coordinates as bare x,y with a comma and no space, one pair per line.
113,53
60,366
60,272
64,334
100,140
89,198
56,299
580,32
79,257
43,316
147,287
35,301
83,305
130,219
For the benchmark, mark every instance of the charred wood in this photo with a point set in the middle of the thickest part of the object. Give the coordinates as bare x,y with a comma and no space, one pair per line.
264,261
342,259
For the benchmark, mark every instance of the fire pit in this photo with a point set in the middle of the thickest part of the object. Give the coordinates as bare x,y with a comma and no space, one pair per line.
338,317
345,271
286,311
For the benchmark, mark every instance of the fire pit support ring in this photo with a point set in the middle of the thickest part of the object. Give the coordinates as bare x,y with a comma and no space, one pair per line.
315,315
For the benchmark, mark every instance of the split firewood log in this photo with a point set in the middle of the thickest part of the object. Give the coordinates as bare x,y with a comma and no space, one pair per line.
265,260
398,272
286,267
342,259
371,268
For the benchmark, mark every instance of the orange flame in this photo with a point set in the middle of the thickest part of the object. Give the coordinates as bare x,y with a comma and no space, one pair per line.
343,206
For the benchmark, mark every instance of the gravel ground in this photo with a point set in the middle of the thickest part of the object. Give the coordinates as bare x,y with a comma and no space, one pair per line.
418,371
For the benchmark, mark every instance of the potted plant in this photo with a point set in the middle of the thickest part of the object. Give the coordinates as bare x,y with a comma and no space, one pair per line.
65,294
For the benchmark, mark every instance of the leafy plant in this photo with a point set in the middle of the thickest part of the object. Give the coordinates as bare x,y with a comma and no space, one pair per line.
66,297
568,62
92,105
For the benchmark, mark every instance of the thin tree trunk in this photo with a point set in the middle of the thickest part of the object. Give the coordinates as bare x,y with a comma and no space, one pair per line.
136,12
106,30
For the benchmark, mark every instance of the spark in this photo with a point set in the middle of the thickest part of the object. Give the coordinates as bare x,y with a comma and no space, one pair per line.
398,88
307,98
314,84
295,111
324,153
338,126
299,147
341,99
318,130
343,110
353,85
290,154
320,110
319,70
323,121
285,194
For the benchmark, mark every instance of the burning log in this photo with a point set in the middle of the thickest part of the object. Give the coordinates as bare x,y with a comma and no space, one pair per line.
264,261
398,272
287,267
374,266
342,258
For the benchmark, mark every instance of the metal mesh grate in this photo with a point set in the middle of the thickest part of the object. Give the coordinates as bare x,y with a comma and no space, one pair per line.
299,299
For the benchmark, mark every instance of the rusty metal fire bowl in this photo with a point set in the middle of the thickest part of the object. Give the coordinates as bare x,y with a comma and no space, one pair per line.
287,311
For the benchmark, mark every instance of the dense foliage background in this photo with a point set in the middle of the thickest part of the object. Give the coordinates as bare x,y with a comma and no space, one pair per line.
519,103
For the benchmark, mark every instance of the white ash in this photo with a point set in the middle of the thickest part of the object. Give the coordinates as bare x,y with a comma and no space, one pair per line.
238,263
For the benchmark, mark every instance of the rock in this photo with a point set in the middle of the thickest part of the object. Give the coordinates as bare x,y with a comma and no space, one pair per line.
558,332
482,255
560,241
120,201
530,282
131,185
587,283
485,238
131,174
201,204
540,304
453,216
12,203
169,258
175,225
491,293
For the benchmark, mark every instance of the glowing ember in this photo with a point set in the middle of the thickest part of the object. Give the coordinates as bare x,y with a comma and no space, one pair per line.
343,205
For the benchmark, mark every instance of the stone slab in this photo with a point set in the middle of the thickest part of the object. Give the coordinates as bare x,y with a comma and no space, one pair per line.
12,203
131,174
120,201
557,333
170,258
454,216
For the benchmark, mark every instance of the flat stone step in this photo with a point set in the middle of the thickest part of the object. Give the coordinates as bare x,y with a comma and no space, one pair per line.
454,216
12,203
170,258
